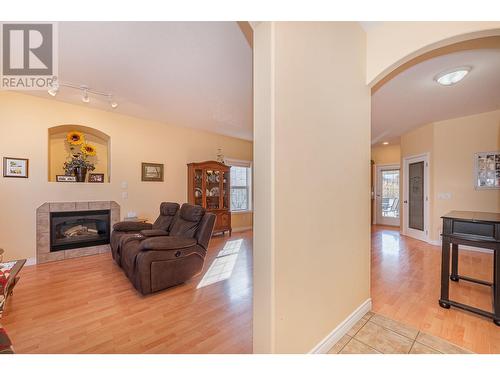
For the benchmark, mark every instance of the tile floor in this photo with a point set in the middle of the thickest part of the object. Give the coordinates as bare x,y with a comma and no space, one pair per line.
376,334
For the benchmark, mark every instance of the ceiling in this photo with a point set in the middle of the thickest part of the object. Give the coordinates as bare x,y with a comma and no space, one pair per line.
413,98
193,74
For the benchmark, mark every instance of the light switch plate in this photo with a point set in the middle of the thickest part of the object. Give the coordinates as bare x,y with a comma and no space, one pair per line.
444,196
124,184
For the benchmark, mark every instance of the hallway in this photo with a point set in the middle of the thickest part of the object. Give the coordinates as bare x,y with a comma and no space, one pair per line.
405,286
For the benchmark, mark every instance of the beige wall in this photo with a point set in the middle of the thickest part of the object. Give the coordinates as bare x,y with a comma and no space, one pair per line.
390,154
455,143
389,44
24,123
451,145
315,102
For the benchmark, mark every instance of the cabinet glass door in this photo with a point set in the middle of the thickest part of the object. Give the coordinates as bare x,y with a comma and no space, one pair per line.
212,184
198,187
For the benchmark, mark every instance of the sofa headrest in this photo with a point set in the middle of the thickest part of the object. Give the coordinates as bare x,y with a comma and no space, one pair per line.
191,212
169,208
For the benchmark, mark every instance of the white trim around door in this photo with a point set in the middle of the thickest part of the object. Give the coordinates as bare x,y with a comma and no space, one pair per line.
422,235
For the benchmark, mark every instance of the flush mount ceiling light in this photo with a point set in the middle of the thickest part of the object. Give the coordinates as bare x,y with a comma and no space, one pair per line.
85,90
385,143
450,77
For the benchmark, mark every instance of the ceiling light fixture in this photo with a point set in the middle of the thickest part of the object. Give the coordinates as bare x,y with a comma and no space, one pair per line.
385,143
85,91
112,103
85,95
54,88
450,77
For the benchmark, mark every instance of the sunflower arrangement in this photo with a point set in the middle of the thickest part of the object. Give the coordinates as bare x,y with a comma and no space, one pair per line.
79,153
88,149
75,138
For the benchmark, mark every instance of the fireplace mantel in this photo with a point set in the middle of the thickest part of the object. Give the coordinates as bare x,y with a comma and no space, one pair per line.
43,253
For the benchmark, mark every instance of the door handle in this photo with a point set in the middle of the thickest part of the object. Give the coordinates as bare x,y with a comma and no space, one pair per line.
405,201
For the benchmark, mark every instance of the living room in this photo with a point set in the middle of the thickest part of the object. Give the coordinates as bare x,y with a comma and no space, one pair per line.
62,122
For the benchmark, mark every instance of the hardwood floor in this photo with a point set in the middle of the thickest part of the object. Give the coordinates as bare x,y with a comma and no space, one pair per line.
405,286
87,305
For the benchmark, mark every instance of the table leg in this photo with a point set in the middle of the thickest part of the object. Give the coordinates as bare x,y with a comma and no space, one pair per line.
454,262
445,274
496,287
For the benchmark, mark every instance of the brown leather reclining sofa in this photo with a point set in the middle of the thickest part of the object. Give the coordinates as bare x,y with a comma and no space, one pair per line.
169,252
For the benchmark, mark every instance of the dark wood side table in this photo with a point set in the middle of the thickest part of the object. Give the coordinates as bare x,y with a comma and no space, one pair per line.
11,282
478,229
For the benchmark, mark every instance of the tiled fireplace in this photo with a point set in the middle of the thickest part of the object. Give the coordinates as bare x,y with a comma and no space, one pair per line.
74,229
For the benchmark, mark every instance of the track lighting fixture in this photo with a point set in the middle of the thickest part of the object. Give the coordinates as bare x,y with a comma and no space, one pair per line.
85,91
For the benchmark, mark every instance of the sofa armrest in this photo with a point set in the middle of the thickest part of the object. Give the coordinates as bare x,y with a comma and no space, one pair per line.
129,226
167,243
154,233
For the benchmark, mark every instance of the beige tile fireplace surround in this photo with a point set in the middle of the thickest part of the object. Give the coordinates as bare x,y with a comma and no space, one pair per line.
43,253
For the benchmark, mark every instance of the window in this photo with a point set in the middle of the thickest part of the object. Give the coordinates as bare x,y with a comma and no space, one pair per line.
241,185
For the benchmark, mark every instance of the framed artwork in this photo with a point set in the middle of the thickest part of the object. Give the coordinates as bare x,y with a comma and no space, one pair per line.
487,170
64,178
15,167
96,177
152,172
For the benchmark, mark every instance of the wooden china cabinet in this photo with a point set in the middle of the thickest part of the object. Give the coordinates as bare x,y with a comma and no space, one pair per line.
209,186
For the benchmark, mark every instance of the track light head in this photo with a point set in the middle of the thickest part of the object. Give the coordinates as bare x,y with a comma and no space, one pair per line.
112,103
85,95
54,88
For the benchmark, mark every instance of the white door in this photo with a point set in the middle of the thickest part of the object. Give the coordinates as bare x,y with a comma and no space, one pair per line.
387,195
416,197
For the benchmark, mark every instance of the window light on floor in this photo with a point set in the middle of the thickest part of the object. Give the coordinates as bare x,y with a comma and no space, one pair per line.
223,265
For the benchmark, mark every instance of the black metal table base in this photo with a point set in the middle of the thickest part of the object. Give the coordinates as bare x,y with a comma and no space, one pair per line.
444,301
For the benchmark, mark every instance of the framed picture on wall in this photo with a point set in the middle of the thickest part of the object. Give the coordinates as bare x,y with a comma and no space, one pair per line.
64,178
152,172
487,170
96,177
15,167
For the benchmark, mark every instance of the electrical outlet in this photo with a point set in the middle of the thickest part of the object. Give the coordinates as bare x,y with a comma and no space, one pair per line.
124,195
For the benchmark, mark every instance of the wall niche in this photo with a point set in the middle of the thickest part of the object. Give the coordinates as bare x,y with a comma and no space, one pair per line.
60,152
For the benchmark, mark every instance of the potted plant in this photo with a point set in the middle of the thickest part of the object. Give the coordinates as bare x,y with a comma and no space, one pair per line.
80,156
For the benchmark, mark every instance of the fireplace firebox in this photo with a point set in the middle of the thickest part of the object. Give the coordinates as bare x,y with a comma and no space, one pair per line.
77,229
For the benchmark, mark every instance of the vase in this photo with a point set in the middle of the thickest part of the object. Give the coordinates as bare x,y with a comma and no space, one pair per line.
80,174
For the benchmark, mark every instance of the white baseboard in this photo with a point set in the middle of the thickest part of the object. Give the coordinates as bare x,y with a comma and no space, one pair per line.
338,332
241,229
30,261
463,247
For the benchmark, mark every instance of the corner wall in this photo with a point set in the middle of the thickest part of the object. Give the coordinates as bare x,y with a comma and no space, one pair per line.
390,154
312,123
24,123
